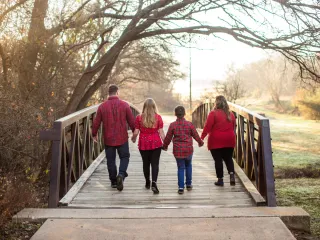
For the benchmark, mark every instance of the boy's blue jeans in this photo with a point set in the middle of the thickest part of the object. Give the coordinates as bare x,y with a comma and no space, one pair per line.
184,165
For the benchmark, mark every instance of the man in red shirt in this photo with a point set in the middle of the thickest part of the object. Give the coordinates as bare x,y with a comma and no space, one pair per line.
114,115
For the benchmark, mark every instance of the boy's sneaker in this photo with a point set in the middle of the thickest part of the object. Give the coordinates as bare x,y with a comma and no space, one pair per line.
189,187
219,182
114,184
181,191
147,184
119,183
154,188
232,180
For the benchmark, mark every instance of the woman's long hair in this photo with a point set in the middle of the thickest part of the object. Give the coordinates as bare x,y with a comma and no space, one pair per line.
149,112
221,103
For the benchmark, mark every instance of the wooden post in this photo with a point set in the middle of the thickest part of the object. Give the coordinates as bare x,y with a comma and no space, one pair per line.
268,164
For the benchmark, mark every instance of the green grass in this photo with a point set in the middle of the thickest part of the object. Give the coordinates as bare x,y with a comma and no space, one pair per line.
295,141
301,192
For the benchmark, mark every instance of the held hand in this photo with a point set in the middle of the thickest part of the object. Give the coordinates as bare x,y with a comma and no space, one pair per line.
133,139
201,144
95,139
164,149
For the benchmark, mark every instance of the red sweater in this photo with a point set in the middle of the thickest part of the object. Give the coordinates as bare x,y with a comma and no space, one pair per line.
220,130
114,115
149,138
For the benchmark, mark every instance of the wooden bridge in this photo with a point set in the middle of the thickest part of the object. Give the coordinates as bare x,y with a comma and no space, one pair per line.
79,180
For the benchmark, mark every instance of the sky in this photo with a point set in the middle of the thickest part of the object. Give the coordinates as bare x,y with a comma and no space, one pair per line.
210,59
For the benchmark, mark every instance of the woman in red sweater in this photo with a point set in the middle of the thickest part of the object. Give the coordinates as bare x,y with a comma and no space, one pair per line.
220,126
150,126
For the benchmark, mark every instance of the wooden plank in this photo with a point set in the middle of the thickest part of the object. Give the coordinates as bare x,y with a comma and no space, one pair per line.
81,181
171,202
156,206
162,195
252,116
254,193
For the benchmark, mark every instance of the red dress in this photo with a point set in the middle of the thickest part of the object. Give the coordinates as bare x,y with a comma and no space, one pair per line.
220,130
149,138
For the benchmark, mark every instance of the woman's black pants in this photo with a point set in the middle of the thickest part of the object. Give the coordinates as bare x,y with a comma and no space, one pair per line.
151,157
222,154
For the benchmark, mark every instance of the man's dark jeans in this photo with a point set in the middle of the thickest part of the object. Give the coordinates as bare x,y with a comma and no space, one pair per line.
124,155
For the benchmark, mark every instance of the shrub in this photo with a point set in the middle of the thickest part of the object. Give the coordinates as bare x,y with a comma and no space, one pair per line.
308,103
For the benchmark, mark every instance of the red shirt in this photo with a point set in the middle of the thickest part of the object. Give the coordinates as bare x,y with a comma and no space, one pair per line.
182,132
114,115
220,130
149,138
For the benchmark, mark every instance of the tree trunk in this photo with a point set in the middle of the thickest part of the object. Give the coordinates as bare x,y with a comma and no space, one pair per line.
37,36
277,102
4,58
82,94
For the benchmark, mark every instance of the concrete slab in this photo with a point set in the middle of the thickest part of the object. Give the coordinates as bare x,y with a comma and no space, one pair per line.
267,228
293,217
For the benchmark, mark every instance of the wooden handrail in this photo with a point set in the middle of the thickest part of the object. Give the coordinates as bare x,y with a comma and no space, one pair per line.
253,150
73,149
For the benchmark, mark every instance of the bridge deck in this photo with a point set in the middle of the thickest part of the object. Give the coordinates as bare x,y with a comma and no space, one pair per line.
97,193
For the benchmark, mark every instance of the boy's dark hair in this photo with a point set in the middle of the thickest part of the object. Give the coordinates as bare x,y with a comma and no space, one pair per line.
180,111
113,89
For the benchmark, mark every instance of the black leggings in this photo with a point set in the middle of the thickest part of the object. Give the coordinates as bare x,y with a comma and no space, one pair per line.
222,154
151,157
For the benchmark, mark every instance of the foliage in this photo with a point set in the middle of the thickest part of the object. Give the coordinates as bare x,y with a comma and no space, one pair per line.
23,118
308,103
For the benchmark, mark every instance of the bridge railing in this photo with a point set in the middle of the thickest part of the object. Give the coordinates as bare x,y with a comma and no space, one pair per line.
73,150
253,150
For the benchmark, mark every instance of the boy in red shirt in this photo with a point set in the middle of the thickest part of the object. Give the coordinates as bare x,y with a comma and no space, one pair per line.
182,132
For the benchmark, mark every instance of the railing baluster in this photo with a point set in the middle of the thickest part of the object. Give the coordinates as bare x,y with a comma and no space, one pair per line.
253,152
71,153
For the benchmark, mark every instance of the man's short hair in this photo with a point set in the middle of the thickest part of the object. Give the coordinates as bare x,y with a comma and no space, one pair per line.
180,111
113,89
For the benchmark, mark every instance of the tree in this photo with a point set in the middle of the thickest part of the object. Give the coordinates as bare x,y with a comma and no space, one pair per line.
169,19
296,36
274,75
144,70
232,88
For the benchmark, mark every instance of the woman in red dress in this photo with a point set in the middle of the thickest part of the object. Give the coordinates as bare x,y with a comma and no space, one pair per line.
220,126
150,126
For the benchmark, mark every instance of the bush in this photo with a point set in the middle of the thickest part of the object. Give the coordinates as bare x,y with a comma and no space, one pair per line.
308,103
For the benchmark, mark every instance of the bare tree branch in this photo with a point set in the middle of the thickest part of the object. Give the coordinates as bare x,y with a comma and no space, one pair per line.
4,64
10,9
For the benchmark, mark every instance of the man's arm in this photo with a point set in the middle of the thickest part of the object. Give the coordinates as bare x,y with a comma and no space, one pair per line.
130,118
168,137
96,123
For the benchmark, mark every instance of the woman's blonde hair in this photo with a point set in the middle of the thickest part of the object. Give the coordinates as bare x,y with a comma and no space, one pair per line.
221,103
149,112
